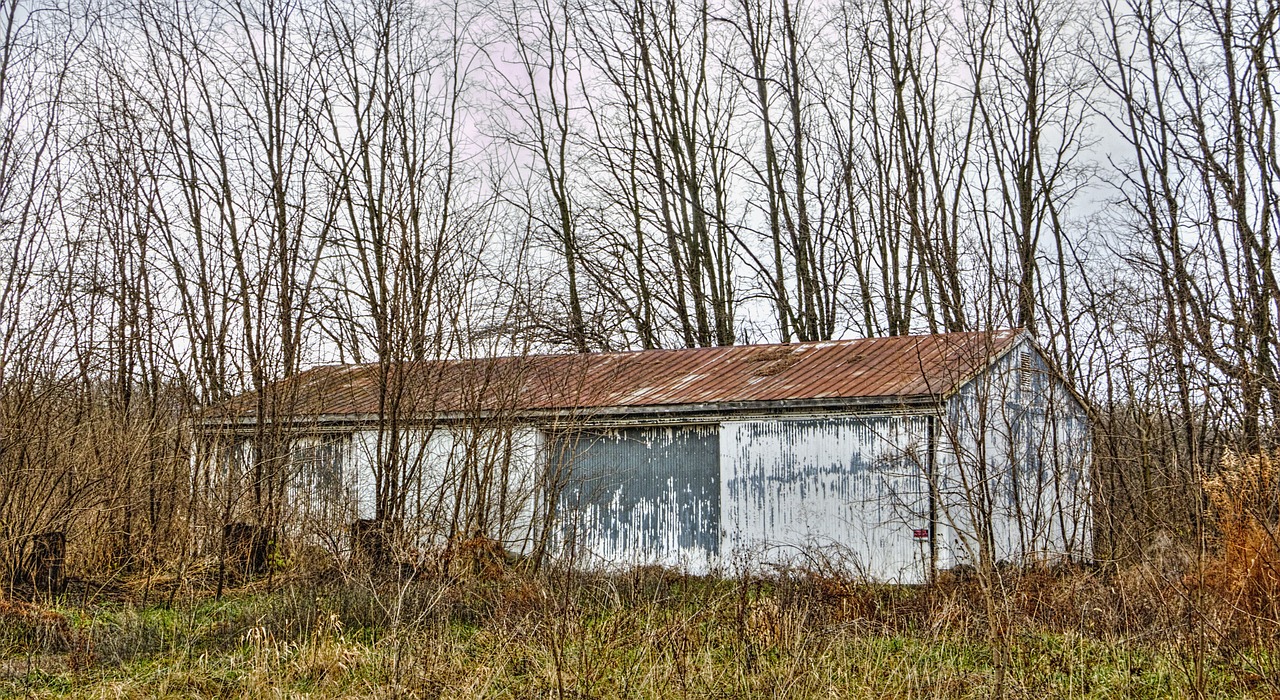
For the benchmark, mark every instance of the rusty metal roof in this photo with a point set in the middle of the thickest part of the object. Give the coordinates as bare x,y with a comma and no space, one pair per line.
890,369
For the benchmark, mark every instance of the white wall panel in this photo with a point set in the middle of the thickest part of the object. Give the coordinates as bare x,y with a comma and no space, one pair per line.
843,491
642,495
1013,456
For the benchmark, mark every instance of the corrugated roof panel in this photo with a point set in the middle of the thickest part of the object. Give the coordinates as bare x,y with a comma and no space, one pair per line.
890,368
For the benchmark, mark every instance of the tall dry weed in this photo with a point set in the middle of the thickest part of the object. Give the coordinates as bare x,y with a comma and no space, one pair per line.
1244,508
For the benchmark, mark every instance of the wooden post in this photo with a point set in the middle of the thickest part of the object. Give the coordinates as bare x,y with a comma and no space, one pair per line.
249,546
46,562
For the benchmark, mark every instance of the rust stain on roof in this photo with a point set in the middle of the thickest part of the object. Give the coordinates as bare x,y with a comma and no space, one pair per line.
893,368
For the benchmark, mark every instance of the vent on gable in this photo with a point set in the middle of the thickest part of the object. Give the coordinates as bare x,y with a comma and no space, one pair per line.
1025,368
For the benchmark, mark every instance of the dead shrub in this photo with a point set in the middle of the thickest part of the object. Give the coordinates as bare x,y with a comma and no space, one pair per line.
1243,508
827,597
25,627
475,558
768,624
1068,598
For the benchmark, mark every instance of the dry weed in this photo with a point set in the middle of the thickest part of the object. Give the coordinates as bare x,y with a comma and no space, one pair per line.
1245,575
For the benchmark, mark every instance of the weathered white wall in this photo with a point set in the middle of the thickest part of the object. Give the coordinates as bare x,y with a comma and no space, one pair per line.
640,496
496,468
847,492
321,497
1013,464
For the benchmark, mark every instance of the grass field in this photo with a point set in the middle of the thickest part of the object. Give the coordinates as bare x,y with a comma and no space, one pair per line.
650,634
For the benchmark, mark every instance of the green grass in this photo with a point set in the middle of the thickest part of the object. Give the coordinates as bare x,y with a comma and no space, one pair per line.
523,640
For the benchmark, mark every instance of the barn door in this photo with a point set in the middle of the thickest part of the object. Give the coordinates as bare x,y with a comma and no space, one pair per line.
642,495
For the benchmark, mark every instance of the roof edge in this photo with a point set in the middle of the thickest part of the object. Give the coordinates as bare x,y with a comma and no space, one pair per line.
707,410
1020,335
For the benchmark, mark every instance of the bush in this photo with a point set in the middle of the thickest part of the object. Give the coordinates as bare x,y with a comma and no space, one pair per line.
1245,572
27,628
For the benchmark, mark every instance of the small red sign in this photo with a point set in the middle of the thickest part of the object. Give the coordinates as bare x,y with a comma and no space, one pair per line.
921,533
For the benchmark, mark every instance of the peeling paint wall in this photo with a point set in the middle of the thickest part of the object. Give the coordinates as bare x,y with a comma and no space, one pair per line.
642,495
1014,455
843,492
453,474
320,492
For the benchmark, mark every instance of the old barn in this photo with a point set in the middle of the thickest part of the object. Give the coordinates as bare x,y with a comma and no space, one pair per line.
887,457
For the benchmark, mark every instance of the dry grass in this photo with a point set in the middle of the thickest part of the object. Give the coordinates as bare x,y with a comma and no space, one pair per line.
511,634
1244,574
1175,623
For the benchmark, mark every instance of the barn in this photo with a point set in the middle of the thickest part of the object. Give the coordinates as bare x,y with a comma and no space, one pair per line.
890,458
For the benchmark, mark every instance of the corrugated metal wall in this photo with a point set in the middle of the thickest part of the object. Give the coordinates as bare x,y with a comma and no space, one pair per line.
438,462
840,492
642,495
844,492
1013,462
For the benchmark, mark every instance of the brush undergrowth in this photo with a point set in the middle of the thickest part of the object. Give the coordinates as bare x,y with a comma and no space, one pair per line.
651,633
1175,624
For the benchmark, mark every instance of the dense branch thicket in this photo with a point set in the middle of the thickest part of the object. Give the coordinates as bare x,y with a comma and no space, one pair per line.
199,198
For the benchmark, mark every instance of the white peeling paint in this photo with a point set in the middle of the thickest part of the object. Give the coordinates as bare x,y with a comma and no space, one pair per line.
841,492
642,496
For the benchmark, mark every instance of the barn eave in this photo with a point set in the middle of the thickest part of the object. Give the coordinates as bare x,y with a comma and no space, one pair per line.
618,415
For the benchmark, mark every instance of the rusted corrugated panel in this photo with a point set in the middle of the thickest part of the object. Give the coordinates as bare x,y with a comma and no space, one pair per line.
839,492
642,496
889,368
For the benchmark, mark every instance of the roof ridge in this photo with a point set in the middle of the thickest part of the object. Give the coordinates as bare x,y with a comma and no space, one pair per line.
696,349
